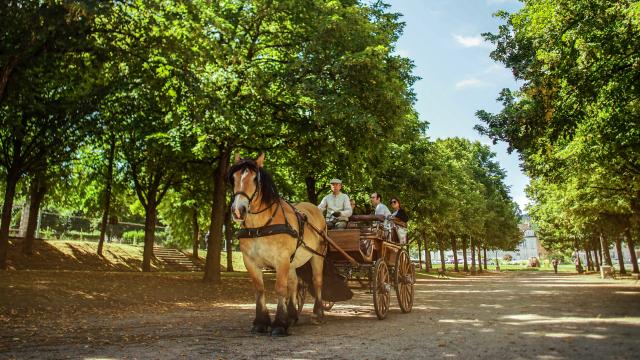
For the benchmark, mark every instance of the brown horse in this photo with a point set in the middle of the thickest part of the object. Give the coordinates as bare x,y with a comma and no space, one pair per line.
276,235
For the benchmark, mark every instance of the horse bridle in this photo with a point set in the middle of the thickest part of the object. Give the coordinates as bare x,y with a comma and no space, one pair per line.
250,198
268,229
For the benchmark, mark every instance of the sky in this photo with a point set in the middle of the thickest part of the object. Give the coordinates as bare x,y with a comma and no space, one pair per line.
458,77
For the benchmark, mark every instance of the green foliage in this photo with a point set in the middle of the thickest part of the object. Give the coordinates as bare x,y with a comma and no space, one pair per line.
133,237
179,85
575,118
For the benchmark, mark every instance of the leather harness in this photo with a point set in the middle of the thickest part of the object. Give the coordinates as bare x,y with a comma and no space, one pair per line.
269,229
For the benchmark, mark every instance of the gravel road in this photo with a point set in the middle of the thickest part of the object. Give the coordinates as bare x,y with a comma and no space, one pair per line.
512,315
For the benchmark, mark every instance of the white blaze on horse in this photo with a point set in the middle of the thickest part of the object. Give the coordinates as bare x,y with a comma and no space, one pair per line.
276,235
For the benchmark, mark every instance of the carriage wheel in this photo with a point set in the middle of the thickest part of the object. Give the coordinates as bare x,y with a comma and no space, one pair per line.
405,278
327,305
380,287
300,296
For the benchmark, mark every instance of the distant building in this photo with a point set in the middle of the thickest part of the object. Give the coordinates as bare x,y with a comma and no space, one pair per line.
529,246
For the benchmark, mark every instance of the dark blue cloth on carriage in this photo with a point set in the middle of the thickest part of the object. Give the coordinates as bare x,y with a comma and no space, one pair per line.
334,286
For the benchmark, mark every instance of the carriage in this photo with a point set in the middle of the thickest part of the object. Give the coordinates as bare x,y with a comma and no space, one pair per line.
371,253
292,240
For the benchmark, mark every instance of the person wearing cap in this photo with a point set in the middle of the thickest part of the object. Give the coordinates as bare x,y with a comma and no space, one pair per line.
337,205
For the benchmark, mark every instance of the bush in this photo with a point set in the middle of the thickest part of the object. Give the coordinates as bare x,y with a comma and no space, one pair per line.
133,237
80,235
47,234
507,257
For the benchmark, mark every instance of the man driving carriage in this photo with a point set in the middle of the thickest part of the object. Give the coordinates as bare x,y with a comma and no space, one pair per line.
337,205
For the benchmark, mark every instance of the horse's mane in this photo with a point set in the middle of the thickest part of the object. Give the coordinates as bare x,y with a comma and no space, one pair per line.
267,189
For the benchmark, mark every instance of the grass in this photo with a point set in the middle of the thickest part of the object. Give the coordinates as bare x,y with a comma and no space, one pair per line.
82,255
566,268
238,264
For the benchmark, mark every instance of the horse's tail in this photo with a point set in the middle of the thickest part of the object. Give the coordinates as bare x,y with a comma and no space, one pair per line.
334,285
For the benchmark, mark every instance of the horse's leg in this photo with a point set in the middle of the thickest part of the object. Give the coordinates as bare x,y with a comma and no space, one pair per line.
317,264
262,321
292,286
281,322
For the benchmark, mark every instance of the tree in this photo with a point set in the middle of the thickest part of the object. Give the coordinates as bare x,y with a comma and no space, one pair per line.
573,119
47,89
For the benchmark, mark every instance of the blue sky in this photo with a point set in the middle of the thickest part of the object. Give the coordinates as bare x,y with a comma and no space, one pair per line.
443,39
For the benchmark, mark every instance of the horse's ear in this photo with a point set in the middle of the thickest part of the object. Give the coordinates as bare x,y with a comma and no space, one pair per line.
237,158
260,160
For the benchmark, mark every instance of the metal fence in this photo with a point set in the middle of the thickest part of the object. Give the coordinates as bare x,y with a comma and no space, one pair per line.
53,226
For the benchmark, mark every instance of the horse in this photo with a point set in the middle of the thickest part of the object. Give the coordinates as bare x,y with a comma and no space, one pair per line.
275,234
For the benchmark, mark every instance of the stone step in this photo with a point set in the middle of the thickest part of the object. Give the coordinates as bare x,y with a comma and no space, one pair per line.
176,260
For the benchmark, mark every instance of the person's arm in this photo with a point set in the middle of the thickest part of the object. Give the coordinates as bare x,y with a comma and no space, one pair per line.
323,204
402,215
346,206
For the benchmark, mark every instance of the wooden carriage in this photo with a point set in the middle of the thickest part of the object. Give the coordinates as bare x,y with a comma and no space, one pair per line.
372,252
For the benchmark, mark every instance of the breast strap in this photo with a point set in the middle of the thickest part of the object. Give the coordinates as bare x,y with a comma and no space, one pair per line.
268,229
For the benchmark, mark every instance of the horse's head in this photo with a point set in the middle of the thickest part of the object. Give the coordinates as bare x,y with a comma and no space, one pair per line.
244,177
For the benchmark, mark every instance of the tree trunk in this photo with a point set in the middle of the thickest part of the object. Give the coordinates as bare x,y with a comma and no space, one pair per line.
9,194
464,255
596,260
600,253
587,251
107,195
428,265
228,234
419,254
24,220
473,256
310,183
604,244
441,248
36,193
623,271
149,231
484,252
479,258
212,265
196,233
632,251
455,254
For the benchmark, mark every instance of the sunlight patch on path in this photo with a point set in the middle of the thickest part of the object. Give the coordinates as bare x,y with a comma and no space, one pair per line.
564,335
529,319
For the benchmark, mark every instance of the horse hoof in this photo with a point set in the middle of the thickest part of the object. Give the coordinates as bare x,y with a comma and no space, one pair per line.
317,321
279,331
259,329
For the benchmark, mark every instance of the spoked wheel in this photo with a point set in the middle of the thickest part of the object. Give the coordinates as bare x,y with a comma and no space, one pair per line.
380,287
327,305
300,296
405,278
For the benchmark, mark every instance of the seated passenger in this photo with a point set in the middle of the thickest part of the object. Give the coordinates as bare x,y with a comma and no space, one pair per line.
380,208
337,206
398,212
400,217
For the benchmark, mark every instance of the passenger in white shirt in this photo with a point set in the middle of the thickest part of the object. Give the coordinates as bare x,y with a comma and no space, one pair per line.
337,205
381,209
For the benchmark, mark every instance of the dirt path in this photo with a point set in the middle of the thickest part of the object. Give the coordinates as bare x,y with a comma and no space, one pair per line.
519,315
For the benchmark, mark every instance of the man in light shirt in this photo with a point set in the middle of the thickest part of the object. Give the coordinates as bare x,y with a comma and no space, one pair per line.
381,209
337,205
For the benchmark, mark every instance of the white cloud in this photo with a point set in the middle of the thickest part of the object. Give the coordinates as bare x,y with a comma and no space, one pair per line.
470,83
470,41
